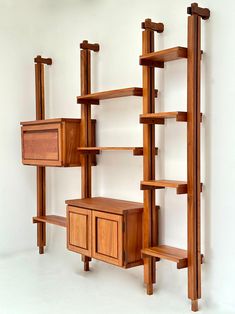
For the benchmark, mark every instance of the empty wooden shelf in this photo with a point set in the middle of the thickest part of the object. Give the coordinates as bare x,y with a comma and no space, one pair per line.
158,58
159,117
106,229
94,98
52,142
170,253
137,151
51,219
180,186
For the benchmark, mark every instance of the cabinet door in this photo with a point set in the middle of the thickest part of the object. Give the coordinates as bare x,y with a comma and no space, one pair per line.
79,230
107,237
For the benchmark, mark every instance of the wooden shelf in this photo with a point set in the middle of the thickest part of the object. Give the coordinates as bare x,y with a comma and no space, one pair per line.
159,118
180,186
158,58
169,253
123,92
51,219
137,151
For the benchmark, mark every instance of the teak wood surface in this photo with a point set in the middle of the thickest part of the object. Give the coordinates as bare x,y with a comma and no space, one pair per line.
150,215
94,98
53,142
106,229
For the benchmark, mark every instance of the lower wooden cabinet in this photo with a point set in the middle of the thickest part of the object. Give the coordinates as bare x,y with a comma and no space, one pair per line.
106,229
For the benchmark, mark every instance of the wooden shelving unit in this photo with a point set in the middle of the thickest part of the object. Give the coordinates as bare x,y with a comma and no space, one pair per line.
111,230
153,251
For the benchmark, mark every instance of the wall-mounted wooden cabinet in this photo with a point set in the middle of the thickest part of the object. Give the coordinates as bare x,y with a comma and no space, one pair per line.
106,229
53,142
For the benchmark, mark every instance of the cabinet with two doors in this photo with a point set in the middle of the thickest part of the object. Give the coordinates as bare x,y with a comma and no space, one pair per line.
106,229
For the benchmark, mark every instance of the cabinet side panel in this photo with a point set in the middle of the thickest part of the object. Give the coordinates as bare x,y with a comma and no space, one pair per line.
72,142
133,235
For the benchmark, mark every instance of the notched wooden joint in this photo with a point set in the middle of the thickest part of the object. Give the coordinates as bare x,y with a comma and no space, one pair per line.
204,13
85,45
148,24
39,59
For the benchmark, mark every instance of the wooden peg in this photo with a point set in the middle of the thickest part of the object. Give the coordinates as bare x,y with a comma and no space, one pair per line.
148,24
204,13
39,59
85,45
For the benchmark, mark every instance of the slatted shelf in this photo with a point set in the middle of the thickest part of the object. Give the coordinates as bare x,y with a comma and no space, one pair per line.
116,93
51,219
169,253
137,151
159,117
158,58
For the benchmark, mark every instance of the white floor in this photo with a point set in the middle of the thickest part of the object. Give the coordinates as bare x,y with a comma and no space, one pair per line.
55,283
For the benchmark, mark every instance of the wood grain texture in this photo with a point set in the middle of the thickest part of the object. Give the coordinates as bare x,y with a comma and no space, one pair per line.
116,224
180,186
159,117
109,205
158,58
107,239
193,157
133,238
150,215
41,171
51,219
94,98
79,230
53,142
170,253
137,151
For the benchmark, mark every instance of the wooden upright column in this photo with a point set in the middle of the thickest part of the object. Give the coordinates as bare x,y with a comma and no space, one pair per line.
150,215
193,151
86,138
41,171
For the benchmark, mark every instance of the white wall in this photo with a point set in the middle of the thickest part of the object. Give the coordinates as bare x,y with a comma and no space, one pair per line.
55,29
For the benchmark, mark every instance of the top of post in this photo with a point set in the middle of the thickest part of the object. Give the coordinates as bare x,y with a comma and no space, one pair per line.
85,45
204,13
39,59
148,24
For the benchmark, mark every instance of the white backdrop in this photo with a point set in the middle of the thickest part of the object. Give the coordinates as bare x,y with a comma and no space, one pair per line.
55,29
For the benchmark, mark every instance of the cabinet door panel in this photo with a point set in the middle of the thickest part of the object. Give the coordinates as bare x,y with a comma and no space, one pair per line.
79,230
107,237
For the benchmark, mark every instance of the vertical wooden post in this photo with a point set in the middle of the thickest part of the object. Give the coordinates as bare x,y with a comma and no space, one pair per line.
41,171
150,215
86,161
193,151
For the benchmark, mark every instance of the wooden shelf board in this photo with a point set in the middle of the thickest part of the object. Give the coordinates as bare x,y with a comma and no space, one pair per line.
123,92
137,151
159,117
169,253
159,57
180,186
51,219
